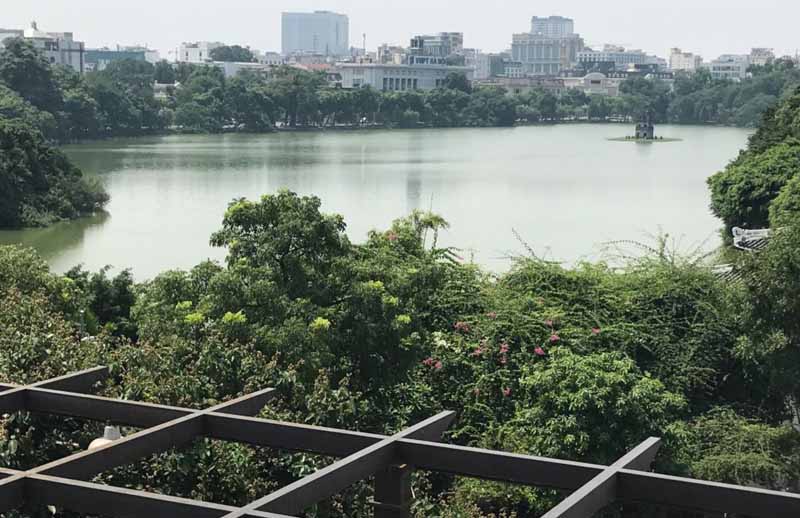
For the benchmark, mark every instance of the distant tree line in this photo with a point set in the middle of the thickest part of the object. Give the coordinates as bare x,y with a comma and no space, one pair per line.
122,99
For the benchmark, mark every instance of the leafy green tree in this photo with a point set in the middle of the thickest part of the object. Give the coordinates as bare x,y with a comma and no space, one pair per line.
234,53
458,81
164,73
287,239
726,447
13,106
741,195
38,184
248,102
25,70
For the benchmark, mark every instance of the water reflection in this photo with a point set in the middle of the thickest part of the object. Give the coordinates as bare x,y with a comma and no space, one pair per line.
65,238
564,188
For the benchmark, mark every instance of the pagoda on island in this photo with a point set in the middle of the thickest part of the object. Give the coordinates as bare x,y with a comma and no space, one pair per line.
645,129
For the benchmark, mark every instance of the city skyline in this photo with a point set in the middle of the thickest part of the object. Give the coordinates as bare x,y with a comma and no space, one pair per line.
715,28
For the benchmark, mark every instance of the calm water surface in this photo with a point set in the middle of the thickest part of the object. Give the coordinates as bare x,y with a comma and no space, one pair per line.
565,189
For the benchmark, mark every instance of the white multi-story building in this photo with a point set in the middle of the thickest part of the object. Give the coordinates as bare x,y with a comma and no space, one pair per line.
60,48
270,58
684,61
320,32
197,52
441,45
550,47
396,77
731,67
621,58
761,56
552,26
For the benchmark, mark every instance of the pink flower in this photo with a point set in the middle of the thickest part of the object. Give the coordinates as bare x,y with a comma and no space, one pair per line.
477,352
438,366
461,327
428,362
503,348
391,236
548,323
539,351
554,338
595,330
506,392
492,315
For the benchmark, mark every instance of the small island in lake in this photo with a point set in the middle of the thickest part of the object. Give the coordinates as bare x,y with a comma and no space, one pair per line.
645,133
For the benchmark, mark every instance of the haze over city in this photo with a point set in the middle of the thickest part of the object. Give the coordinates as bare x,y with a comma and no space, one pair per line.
711,27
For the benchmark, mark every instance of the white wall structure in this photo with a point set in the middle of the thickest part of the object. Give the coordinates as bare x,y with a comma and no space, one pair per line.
59,48
684,61
732,67
197,52
320,32
621,58
396,77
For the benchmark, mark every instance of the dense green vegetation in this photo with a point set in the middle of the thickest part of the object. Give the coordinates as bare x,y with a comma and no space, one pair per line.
38,184
578,363
581,363
759,189
121,100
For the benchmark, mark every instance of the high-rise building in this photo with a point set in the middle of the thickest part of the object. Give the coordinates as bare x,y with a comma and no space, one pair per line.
684,61
60,48
551,46
552,26
320,32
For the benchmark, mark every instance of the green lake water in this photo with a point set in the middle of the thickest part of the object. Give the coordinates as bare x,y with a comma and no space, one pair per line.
566,189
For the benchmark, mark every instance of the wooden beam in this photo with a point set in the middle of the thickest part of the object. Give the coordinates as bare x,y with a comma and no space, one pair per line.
330,480
602,489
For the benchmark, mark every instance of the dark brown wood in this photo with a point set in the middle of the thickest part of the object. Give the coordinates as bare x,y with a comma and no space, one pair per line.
85,497
602,489
497,465
712,497
82,381
116,411
288,436
12,492
393,494
328,481
363,455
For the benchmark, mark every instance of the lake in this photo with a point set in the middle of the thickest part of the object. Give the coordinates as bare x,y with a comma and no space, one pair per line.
566,189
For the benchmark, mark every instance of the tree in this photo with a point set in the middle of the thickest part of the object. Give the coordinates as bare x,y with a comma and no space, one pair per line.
38,184
13,106
742,194
287,239
234,53
164,73
25,70
458,81
248,102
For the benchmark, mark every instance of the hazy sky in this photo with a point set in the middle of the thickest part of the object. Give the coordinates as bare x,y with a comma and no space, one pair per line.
711,27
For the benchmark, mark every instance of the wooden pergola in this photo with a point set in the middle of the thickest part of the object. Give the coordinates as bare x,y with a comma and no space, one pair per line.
389,459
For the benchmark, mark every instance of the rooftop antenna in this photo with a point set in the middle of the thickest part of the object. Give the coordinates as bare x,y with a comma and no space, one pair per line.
365,43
